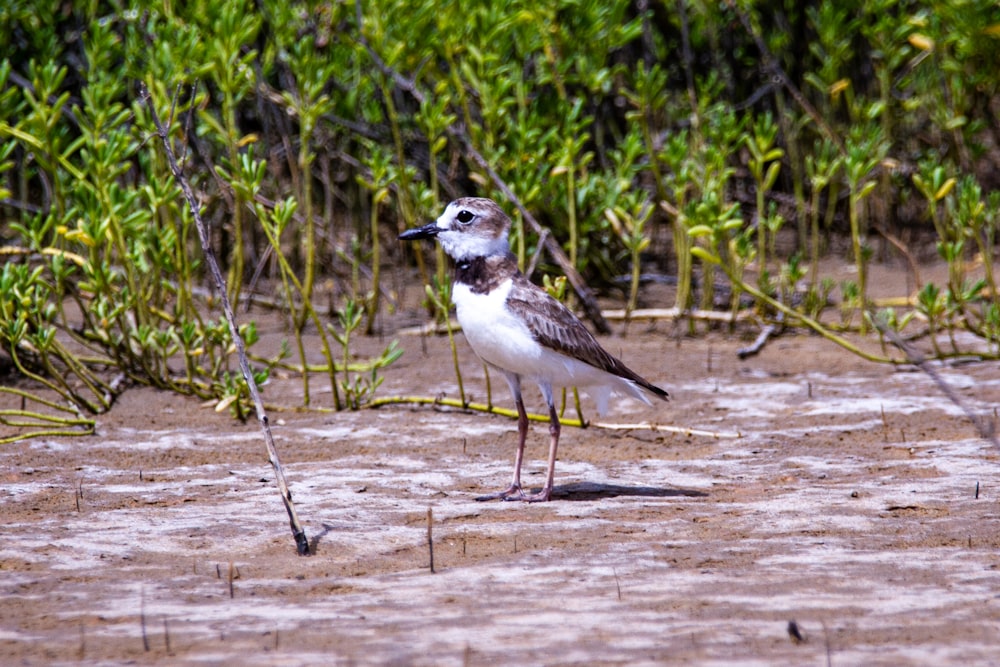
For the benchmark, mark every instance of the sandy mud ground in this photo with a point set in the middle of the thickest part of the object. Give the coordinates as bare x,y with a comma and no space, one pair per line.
857,502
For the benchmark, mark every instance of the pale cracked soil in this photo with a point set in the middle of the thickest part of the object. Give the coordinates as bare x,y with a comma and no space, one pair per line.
858,502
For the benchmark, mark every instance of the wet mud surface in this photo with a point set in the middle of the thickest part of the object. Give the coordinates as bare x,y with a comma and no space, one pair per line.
858,502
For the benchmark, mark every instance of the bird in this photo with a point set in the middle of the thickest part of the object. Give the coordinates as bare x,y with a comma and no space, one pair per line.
517,328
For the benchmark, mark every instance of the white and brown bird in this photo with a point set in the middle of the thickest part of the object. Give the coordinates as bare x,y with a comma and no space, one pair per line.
517,328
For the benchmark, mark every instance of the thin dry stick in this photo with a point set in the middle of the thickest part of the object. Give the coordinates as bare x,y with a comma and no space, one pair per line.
142,620
430,536
301,542
905,252
758,344
986,428
765,335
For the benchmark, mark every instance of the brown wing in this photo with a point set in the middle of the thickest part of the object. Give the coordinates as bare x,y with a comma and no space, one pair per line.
552,324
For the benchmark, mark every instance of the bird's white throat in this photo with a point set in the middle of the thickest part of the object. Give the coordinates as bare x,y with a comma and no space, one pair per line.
462,245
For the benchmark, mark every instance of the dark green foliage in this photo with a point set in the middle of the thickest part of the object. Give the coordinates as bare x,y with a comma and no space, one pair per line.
299,126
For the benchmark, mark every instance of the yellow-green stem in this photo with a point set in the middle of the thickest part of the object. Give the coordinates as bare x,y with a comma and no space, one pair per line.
373,300
814,240
858,259
454,356
286,271
571,211
236,268
808,321
633,291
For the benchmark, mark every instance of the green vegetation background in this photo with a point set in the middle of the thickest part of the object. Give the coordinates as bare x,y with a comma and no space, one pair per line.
675,137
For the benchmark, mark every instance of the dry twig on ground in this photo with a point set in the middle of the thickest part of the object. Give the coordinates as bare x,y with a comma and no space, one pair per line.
301,542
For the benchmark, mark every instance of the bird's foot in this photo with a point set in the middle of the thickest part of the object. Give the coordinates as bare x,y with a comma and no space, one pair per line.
512,492
542,496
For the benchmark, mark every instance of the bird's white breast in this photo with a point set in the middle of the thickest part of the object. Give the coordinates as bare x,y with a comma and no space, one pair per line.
495,334
503,340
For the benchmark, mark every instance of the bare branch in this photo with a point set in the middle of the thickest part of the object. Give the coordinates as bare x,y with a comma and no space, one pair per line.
301,542
986,427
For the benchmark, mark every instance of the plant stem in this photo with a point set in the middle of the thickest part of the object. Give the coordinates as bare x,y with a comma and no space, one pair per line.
859,261
372,302
806,320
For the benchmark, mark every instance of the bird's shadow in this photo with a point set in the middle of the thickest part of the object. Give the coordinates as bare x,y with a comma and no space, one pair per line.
596,491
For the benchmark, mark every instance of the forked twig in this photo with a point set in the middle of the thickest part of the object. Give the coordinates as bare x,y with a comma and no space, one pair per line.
301,542
765,335
905,252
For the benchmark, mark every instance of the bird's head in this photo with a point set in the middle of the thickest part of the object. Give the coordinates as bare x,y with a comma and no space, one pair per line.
469,227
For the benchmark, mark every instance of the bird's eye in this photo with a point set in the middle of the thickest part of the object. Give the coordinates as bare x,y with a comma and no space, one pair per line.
465,217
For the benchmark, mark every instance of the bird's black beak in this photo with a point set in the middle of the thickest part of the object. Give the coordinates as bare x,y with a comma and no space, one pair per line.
428,231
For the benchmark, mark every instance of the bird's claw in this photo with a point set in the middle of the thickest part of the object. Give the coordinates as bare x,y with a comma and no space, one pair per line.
542,496
512,492
515,492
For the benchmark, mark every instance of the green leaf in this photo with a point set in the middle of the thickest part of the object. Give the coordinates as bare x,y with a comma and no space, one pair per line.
945,188
774,154
700,230
704,255
772,175
866,189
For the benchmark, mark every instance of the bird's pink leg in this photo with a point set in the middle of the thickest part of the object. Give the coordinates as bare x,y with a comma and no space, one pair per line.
554,427
514,492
